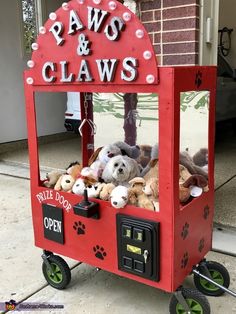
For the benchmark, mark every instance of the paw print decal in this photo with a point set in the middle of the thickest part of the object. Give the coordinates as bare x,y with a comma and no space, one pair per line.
79,227
201,245
206,212
185,231
184,260
99,252
198,79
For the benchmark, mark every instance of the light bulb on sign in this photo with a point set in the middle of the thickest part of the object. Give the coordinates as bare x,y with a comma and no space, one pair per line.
97,1
127,16
139,33
42,30
35,46
31,63
65,6
53,16
29,80
147,55
150,79
112,5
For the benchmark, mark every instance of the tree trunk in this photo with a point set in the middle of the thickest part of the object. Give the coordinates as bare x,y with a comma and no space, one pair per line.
130,129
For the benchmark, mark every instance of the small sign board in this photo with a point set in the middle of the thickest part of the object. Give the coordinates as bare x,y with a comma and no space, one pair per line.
53,223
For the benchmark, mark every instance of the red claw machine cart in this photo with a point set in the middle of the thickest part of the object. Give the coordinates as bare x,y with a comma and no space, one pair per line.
99,46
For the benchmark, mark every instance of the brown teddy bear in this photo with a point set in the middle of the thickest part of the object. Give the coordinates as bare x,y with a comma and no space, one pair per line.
52,178
137,196
106,190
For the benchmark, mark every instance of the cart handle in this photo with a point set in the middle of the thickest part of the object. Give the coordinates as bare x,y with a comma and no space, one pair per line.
196,272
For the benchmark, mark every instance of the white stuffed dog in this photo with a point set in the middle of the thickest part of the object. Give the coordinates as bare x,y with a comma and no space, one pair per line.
120,170
119,196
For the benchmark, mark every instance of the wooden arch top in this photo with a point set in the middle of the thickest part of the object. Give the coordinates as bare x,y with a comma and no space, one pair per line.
92,42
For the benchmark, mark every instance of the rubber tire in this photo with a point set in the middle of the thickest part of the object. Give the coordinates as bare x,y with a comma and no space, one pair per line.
190,294
211,265
64,271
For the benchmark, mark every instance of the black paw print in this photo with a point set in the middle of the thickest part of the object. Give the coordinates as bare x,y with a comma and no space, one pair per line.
79,227
206,212
184,260
201,245
99,252
198,79
185,231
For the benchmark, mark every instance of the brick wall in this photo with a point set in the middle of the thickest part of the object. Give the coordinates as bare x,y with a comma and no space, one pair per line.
173,26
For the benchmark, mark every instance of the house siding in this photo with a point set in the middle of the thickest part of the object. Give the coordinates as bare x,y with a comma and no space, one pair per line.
173,27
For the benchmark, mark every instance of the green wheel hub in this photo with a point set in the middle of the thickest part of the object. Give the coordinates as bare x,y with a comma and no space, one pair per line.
216,276
194,306
56,274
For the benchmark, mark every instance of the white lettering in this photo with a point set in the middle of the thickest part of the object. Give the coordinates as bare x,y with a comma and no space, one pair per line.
112,31
96,19
47,67
75,23
57,30
84,72
64,73
129,65
52,224
107,69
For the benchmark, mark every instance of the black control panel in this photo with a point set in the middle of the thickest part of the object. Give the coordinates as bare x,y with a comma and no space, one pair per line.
138,246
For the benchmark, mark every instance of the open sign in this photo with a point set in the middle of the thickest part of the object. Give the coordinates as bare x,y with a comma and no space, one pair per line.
53,223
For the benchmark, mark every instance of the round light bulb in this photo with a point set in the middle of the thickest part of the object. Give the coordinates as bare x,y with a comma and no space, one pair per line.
35,46
112,5
139,33
97,1
53,16
147,55
29,80
127,16
31,63
150,79
42,30
65,6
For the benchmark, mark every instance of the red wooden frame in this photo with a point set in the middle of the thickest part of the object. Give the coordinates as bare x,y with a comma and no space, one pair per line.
178,254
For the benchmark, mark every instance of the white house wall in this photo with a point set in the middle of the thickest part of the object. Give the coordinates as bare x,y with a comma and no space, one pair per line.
12,64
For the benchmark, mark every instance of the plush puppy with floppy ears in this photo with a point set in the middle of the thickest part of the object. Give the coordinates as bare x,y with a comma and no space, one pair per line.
120,170
119,197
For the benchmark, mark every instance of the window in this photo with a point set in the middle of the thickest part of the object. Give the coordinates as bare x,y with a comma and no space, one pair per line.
31,17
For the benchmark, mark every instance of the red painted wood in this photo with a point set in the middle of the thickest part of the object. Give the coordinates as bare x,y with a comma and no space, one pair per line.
177,254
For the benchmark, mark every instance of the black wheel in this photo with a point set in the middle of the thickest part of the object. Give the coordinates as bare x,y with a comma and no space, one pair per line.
196,301
59,276
219,274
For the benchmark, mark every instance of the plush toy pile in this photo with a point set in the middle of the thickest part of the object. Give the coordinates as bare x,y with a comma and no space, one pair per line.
123,175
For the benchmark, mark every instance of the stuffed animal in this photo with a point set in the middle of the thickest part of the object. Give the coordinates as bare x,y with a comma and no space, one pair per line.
74,169
94,190
128,150
151,189
100,158
137,196
152,166
82,183
79,187
106,190
65,183
145,155
119,196
186,160
52,178
120,170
